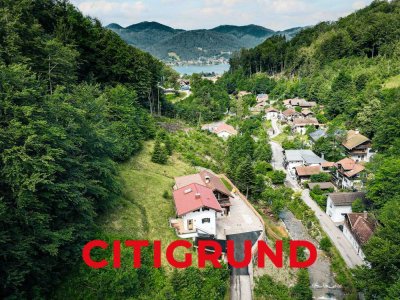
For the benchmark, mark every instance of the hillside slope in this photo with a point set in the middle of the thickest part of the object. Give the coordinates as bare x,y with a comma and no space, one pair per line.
159,39
352,68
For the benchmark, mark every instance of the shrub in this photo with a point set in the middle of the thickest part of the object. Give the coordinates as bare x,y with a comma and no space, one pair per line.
321,177
325,244
277,177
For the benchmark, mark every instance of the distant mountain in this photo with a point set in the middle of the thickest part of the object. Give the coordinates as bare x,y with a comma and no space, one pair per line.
171,44
240,31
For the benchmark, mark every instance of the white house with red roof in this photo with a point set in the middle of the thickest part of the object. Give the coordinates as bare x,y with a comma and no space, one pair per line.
358,229
209,179
221,129
196,208
349,174
271,113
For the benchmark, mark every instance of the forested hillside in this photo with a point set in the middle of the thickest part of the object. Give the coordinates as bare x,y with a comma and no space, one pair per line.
160,40
74,100
352,68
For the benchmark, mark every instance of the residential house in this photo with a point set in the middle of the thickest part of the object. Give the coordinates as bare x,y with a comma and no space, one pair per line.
271,113
317,134
358,229
259,107
303,173
299,102
307,104
358,146
348,174
287,103
262,98
339,204
224,131
300,125
306,113
295,158
289,114
212,181
221,129
327,166
196,209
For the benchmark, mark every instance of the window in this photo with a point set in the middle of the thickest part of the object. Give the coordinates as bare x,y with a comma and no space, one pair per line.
205,208
205,220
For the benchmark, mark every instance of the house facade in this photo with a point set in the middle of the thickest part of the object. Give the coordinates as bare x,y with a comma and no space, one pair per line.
221,129
196,210
349,174
339,204
208,179
302,157
358,229
304,173
300,125
358,147
271,113
289,115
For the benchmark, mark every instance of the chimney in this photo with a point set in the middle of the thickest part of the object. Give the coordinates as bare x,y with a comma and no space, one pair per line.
365,214
197,196
322,155
356,131
207,178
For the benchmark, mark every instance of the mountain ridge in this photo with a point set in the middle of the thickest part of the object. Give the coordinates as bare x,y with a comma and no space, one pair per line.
170,44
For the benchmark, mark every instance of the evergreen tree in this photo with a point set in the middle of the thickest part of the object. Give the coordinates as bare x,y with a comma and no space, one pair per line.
160,155
245,176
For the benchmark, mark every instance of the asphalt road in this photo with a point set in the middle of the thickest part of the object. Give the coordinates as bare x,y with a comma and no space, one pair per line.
339,240
342,244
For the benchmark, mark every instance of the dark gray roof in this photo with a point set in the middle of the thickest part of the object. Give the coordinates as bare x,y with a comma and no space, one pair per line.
346,199
316,135
307,156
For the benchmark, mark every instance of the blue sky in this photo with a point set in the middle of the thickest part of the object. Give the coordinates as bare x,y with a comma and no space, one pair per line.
195,14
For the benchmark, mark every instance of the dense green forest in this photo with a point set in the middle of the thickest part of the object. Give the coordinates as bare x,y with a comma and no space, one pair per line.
75,100
351,67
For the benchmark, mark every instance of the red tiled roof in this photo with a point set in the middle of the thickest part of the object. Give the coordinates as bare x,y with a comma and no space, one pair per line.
271,109
307,170
214,182
327,164
225,127
350,167
290,112
194,196
305,122
361,226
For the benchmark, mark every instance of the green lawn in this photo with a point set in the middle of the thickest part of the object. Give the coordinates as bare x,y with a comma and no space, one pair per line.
392,82
143,213
280,138
175,98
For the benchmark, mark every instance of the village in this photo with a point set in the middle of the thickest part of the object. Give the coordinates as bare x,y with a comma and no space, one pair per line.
210,206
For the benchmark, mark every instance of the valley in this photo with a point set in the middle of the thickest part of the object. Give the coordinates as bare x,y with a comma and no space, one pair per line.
195,47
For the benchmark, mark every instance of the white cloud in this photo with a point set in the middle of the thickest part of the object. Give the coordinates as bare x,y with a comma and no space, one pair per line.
289,6
359,4
110,11
195,14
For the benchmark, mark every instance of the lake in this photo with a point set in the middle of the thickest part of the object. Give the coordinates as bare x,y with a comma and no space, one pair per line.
190,69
